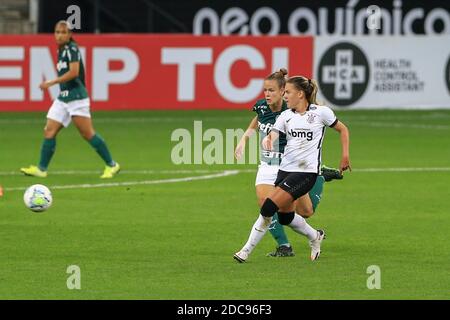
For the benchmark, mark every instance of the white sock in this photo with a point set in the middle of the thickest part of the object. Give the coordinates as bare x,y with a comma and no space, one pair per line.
300,225
259,229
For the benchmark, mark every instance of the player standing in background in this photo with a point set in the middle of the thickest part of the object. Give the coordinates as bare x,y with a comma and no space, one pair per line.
267,110
304,126
72,104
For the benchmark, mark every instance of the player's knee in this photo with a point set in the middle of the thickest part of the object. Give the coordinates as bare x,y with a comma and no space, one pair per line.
49,132
269,208
87,135
304,210
285,218
261,201
308,212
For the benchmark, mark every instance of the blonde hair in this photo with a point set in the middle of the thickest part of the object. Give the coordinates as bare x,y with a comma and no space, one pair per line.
279,76
308,86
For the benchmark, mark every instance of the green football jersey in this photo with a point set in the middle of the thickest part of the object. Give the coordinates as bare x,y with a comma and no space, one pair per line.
74,89
266,120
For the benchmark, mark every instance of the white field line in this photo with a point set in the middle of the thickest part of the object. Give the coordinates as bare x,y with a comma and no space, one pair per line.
135,183
206,177
130,120
380,122
122,172
402,169
398,125
379,116
205,171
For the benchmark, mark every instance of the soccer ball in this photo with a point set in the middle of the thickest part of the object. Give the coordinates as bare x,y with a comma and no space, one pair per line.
38,198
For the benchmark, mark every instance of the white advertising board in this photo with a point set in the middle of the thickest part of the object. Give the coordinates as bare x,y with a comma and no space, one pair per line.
383,72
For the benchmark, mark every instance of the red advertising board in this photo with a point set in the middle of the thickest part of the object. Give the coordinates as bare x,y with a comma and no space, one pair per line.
152,71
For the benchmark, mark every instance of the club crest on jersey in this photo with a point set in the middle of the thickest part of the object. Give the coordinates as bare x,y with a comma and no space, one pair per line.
263,109
61,65
299,133
311,118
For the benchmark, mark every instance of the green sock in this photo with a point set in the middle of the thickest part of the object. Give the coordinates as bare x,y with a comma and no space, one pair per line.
315,194
277,231
99,145
47,150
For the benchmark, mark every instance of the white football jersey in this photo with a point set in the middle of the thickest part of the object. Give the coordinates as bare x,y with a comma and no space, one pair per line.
304,134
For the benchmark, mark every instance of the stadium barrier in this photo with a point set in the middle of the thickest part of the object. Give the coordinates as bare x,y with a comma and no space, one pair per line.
190,72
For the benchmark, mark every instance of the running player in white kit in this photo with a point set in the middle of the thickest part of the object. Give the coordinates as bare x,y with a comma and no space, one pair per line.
304,126
267,111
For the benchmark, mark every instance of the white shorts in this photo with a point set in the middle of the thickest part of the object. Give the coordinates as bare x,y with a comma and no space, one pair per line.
63,112
267,174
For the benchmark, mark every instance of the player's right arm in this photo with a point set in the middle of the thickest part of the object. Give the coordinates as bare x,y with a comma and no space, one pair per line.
73,72
74,58
248,133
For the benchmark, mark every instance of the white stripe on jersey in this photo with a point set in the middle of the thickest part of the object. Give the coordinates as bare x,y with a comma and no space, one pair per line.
304,134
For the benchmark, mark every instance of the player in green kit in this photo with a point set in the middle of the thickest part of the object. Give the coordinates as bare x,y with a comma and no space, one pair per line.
72,104
267,110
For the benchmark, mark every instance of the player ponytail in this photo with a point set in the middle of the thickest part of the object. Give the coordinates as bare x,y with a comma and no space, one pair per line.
279,76
315,88
308,86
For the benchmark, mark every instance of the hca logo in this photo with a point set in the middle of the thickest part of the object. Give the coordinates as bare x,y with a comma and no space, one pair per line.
343,74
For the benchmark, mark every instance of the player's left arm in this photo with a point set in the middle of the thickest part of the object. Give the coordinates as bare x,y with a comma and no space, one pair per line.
274,134
268,141
345,142
74,71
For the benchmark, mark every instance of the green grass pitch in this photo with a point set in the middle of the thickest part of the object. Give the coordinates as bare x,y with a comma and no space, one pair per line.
165,240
